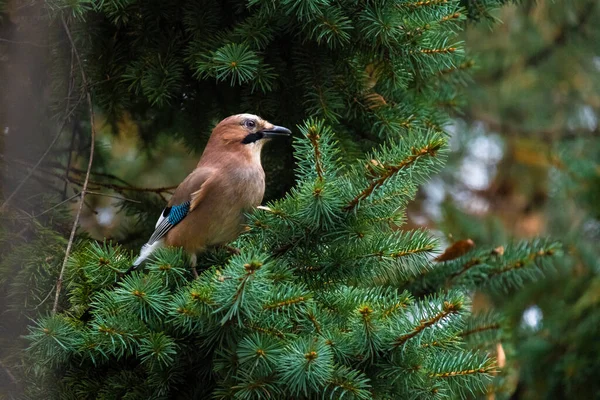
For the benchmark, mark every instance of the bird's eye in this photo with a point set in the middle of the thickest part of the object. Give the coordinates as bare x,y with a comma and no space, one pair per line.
250,123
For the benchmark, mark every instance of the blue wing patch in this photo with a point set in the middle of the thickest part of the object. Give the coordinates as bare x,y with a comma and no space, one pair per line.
177,213
171,217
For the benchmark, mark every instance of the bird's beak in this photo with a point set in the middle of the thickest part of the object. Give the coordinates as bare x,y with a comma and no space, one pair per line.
275,130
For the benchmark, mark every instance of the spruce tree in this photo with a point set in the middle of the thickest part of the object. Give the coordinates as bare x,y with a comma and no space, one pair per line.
326,298
329,296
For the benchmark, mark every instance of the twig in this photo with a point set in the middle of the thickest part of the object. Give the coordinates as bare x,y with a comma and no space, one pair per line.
73,130
73,180
118,188
56,205
113,196
89,167
66,184
45,298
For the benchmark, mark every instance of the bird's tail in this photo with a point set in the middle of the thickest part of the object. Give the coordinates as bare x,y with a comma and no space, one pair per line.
145,252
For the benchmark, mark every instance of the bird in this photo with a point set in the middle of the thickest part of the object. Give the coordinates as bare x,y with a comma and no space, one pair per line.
209,206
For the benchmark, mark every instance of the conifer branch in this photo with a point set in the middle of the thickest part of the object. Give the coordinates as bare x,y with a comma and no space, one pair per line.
314,321
441,343
285,303
484,370
425,3
313,136
391,170
89,166
522,263
467,266
390,310
269,331
483,328
441,50
402,253
450,17
461,67
447,310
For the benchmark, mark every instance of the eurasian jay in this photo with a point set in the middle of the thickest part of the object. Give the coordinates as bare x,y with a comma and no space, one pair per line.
208,207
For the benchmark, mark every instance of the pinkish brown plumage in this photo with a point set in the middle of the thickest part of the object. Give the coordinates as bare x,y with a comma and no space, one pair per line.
208,207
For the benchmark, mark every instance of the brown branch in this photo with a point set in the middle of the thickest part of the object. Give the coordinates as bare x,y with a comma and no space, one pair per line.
113,197
486,370
426,3
401,253
102,174
56,205
394,307
70,179
44,299
467,266
268,331
461,67
88,96
314,321
441,50
412,251
66,184
389,171
483,328
447,310
521,263
121,188
73,130
314,140
285,303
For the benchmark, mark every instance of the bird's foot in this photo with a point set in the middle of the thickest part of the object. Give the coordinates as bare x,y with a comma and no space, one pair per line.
232,250
193,263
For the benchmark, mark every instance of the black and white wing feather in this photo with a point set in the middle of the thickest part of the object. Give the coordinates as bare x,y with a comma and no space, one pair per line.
170,217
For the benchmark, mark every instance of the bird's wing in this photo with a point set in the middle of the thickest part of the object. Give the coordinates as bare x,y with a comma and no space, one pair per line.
170,217
186,198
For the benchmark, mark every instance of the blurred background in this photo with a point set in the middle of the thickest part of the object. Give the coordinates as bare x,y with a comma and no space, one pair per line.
524,162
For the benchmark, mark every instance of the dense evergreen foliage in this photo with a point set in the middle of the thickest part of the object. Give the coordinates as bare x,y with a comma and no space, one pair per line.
326,297
329,296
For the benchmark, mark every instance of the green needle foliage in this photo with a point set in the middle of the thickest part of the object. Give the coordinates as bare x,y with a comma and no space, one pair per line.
326,298
372,70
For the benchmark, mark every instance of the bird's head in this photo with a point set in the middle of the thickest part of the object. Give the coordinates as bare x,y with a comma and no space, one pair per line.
247,129
246,133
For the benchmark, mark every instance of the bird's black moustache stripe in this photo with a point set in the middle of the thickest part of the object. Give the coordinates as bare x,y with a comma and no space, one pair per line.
253,137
